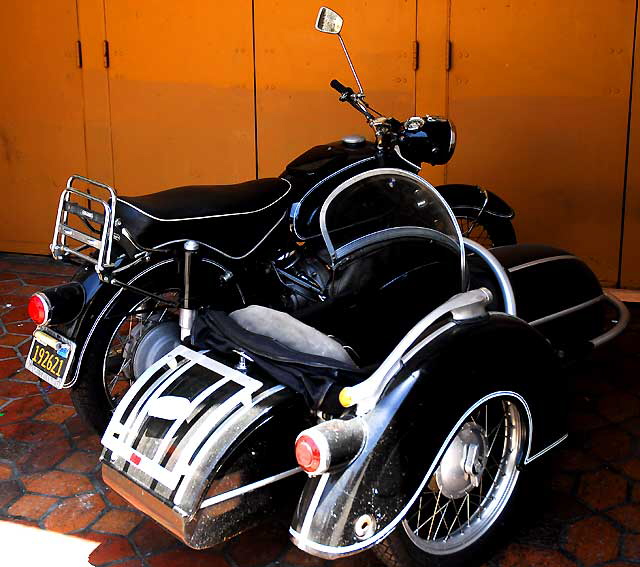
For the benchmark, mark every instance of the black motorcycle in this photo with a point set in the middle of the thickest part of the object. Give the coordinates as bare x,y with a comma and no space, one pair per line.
335,321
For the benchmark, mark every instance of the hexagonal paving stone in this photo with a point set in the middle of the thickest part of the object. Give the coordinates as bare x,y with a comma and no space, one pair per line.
45,456
9,491
15,389
593,541
602,489
618,406
22,409
111,548
151,537
32,432
631,547
259,546
58,483
74,513
520,556
56,414
188,558
120,522
628,516
32,506
79,462
5,472
9,367
611,443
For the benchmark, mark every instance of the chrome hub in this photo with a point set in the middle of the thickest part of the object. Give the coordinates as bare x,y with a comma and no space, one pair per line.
463,463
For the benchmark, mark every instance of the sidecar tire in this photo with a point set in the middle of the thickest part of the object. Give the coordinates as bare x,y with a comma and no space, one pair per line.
523,505
488,233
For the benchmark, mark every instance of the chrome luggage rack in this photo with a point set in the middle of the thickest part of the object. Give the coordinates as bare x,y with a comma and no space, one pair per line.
101,239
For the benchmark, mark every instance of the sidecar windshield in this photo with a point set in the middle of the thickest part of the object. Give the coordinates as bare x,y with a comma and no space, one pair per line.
386,205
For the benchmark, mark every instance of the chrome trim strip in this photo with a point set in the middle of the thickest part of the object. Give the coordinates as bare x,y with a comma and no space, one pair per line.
567,311
398,173
312,189
499,272
621,325
248,488
330,552
223,253
540,453
212,216
207,445
366,393
390,233
313,505
542,261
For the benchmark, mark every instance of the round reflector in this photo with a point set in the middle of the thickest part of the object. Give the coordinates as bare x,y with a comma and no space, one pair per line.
38,309
307,454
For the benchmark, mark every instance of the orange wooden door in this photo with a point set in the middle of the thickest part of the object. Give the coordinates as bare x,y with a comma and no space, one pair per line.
296,108
630,273
41,118
181,93
540,94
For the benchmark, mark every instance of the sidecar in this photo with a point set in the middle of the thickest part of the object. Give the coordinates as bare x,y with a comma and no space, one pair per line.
407,404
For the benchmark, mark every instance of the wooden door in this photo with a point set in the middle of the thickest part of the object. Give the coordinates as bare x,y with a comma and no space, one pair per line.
41,118
181,93
539,92
630,273
296,108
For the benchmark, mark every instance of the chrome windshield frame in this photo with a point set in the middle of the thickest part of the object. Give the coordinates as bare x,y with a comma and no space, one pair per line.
333,253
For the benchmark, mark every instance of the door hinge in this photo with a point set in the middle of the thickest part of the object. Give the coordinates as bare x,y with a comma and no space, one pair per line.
448,55
107,60
416,55
79,54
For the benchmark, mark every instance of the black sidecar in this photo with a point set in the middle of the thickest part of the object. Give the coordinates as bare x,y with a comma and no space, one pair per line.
401,411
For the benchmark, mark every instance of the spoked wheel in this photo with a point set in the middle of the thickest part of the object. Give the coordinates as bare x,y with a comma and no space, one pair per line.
468,492
144,335
485,233
129,338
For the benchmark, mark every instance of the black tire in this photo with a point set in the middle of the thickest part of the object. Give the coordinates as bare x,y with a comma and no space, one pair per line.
486,231
90,397
399,549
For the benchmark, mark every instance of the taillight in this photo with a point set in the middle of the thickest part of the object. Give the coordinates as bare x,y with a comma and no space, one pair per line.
39,309
308,454
330,444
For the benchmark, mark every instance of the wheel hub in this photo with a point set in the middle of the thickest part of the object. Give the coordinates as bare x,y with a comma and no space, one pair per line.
463,463
154,343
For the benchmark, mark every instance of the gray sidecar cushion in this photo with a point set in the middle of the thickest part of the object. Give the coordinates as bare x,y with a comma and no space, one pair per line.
290,332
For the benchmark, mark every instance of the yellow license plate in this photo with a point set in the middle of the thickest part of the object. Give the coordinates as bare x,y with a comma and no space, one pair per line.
50,357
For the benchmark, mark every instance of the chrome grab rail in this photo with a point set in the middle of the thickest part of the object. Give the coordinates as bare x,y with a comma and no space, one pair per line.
60,247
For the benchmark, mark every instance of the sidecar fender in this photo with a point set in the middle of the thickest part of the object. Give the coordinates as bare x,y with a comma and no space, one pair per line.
416,418
474,200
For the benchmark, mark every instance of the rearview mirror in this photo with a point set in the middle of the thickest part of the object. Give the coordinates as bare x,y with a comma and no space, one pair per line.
328,21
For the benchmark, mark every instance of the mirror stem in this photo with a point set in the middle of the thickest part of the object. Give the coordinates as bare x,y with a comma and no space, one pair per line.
344,48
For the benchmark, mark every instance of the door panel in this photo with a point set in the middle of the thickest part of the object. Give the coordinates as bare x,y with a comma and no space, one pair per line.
630,277
181,89
295,63
41,118
540,93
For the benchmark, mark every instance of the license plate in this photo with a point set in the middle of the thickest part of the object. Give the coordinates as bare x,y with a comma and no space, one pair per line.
50,356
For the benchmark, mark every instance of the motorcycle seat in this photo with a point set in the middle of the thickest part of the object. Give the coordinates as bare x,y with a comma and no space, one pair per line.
235,217
195,202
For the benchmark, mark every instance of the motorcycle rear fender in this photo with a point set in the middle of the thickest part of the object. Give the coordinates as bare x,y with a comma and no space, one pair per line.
100,296
417,417
472,200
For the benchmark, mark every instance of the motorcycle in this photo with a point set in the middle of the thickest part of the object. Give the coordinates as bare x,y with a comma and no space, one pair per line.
330,334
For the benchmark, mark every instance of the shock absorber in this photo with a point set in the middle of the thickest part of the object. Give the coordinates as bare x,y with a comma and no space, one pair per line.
187,312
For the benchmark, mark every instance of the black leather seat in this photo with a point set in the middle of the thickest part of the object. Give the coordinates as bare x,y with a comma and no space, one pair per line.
234,219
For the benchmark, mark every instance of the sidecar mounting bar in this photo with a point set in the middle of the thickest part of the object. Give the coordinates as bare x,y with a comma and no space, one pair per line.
621,324
468,305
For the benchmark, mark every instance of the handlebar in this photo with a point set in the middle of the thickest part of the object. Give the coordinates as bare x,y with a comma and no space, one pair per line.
338,86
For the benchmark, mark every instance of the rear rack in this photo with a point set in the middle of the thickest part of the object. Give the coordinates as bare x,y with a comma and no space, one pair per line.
101,240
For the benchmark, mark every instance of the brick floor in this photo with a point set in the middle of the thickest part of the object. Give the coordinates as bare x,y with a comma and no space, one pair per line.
49,480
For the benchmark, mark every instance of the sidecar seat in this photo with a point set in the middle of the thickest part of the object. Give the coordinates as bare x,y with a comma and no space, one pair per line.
290,332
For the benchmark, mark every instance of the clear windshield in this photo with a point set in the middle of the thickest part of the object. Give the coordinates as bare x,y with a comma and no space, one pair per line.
386,205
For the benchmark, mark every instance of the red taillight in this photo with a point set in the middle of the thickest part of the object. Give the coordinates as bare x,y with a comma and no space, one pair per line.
38,309
308,454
